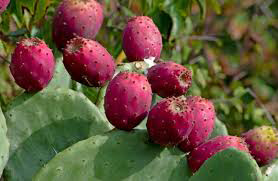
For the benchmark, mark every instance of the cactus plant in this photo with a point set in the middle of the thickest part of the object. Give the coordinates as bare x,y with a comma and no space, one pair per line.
229,165
270,171
32,64
219,129
45,124
4,148
76,17
141,39
61,78
127,100
3,5
116,155
263,143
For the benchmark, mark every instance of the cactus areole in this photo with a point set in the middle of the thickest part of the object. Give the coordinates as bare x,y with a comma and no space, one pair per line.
76,18
32,64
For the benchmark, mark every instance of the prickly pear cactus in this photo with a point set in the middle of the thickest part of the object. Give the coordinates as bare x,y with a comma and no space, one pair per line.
270,171
219,129
61,78
4,147
96,95
116,155
46,123
137,66
229,165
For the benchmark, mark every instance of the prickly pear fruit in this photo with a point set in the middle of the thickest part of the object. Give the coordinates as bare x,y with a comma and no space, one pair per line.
206,150
127,100
76,18
141,39
263,144
169,79
32,64
3,5
88,62
170,121
204,116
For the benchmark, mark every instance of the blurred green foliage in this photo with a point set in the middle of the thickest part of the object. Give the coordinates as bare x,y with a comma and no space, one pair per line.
229,45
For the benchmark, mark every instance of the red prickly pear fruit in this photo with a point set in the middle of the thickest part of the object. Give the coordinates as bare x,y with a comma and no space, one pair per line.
170,121
141,39
206,150
169,79
88,62
263,144
3,5
32,64
76,18
204,116
128,99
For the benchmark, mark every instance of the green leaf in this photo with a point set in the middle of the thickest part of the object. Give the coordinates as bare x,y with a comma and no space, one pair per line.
40,10
177,11
215,5
17,7
202,5
164,22
116,155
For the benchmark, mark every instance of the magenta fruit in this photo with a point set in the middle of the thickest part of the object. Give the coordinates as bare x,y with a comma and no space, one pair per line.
204,116
3,5
141,39
32,64
263,144
76,18
169,79
88,62
206,150
127,100
170,121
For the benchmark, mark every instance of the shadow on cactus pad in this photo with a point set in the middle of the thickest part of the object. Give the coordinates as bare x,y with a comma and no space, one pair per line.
46,123
119,156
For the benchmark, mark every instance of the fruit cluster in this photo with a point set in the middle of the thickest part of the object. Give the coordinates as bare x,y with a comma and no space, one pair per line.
176,120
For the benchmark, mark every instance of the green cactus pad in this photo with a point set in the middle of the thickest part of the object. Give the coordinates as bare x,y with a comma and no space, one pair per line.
138,66
61,78
117,156
46,123
4,147
271,171
219,129
229,165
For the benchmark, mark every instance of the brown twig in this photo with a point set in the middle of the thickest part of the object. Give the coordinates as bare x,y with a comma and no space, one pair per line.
267,113
4,59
